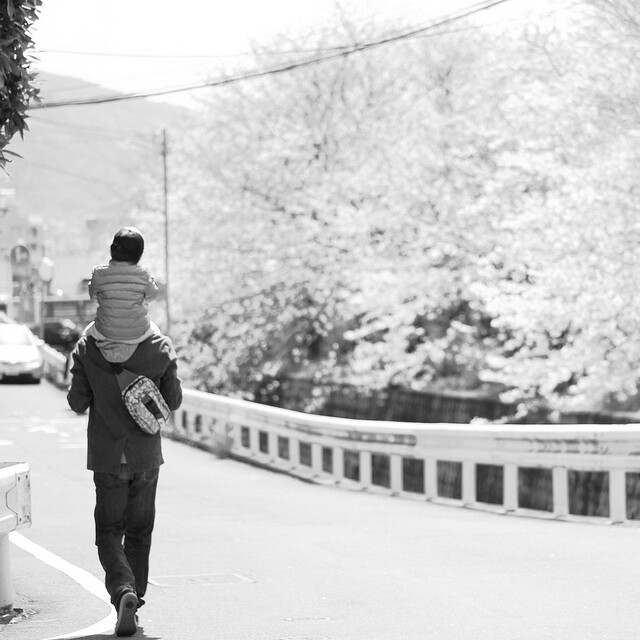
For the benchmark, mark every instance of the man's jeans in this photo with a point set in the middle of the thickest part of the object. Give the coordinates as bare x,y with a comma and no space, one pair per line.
124,515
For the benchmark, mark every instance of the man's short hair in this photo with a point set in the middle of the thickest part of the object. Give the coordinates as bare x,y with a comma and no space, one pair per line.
127,245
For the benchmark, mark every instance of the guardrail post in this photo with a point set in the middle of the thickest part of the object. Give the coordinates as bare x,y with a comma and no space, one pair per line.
510,480
273,446
254,441
365,469
560,492
338,464
6,592
430,478
468,482
396,473
617,495
294,453
316,458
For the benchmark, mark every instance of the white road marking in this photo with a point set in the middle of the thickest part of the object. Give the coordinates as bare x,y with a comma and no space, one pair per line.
44,428
156,584
85,579
198,578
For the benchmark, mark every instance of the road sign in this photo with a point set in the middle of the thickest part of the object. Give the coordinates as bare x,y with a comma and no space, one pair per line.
20,255
20,261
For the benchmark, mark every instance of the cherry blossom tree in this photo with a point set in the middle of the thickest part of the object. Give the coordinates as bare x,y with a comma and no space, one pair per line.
457,211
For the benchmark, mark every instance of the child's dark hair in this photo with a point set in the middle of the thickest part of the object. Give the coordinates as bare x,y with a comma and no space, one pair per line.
127,245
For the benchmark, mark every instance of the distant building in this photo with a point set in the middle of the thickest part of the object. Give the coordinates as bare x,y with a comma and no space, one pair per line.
22,249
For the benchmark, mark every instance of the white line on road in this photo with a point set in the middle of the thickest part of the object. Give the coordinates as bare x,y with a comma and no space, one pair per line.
42,428
85,579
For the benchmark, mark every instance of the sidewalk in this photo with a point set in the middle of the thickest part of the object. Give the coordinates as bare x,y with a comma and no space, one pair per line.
47,602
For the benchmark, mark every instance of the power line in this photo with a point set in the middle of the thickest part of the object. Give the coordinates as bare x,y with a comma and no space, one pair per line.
110,134
356,48
112,186
107,54
179,56
402,10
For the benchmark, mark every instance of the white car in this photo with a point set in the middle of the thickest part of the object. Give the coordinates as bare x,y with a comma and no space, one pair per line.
20,354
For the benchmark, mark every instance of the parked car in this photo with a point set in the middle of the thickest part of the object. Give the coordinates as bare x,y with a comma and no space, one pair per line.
61,334
20,355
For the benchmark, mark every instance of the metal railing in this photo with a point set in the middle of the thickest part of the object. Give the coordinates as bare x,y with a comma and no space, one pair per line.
568,471
15,513
56,365
587,472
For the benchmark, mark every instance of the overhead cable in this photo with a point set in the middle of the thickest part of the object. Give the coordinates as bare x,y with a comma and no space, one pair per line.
347,51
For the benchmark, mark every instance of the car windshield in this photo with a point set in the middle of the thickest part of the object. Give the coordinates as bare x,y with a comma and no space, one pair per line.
15,334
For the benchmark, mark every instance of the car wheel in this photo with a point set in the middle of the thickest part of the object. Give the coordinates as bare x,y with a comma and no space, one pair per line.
36,380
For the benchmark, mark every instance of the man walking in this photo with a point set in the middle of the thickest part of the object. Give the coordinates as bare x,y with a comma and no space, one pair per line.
125,462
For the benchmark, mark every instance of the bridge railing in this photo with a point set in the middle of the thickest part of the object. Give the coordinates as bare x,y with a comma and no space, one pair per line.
55,365
587,472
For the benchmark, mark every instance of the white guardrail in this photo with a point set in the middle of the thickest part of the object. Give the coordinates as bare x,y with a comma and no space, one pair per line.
15,513
55,364
583,472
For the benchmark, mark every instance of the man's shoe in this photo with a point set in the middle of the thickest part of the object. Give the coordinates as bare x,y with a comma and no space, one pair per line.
126,624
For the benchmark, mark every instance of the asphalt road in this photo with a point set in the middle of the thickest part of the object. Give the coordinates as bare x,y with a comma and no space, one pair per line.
241,553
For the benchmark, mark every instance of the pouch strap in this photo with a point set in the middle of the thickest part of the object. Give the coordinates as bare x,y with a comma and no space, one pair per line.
123,376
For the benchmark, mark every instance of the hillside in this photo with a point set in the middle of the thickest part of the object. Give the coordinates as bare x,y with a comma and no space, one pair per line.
80,165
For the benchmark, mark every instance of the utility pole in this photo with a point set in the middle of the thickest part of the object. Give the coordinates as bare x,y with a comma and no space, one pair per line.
166,226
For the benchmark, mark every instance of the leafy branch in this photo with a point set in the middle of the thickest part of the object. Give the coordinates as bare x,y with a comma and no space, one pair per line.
16,79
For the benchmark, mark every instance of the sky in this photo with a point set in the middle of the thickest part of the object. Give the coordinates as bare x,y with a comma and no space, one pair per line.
147,45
